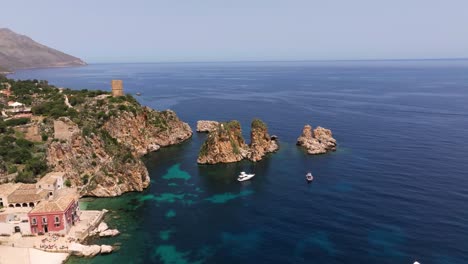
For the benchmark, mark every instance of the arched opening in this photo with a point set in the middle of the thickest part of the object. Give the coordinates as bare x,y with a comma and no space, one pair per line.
25,205
17,205
31,204
11,205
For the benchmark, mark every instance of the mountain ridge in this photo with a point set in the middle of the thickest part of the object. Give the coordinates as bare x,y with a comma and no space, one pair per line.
21,52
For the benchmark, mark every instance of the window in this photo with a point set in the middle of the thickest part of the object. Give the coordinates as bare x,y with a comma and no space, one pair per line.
44,220
57,221
34,221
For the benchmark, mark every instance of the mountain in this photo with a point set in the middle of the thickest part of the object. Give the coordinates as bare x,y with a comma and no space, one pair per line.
21,52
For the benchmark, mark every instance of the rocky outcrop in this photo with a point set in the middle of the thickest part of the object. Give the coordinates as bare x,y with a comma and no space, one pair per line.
225,144
81,250
261,142
206,126
105,161
106,249
109,233
317,141
102,227
87,163
148,130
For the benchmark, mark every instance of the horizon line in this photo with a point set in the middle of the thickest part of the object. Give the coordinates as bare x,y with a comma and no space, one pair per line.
250,61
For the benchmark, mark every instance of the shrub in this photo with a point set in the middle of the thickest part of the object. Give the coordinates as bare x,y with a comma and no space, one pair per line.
85,179
68,183
17,121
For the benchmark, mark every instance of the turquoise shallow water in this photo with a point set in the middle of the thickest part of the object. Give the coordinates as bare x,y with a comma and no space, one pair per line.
394,192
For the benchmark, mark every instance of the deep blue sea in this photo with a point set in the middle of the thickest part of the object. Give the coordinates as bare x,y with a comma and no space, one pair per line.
395,191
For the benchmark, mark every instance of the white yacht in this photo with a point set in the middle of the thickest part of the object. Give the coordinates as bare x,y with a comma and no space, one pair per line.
244,176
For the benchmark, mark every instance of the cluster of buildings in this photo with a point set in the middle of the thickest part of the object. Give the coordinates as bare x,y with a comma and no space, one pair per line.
14,109
40,208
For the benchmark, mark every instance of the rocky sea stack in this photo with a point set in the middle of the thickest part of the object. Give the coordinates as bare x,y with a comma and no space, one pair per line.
317,141
261,142
225,144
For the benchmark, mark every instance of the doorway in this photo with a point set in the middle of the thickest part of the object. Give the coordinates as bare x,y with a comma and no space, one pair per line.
17,229
46,229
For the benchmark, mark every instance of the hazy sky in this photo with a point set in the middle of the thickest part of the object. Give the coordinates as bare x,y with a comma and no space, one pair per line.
214,30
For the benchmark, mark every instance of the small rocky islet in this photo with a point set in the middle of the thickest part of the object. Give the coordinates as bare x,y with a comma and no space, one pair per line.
316,141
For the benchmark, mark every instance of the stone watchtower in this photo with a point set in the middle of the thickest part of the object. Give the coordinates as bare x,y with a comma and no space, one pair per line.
117,88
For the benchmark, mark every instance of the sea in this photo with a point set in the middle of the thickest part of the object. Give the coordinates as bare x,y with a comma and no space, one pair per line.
395,191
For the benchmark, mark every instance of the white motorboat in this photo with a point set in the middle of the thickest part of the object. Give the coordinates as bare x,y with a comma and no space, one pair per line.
309,177
244,176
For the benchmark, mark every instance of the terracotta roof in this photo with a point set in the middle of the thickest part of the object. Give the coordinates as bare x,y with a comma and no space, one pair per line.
8,188
27,186
27,193
50,178
63,198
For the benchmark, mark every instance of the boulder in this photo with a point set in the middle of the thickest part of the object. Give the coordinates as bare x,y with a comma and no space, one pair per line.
109,233
317,141
153,147
106,249
80,250
102,227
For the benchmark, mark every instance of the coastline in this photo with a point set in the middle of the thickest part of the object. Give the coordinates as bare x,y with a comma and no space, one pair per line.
41,67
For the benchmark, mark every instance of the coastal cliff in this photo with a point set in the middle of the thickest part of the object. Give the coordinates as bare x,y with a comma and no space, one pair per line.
225,144
317,141
104,158
148,130
95,139
94,163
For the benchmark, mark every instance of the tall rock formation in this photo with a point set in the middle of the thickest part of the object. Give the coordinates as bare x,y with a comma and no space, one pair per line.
21,52
260,141
225,144
317,141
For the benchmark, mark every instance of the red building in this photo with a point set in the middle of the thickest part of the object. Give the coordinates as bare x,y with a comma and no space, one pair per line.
56,215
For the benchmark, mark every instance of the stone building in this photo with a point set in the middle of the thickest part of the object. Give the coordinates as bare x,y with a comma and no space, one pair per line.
57,215
117,88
